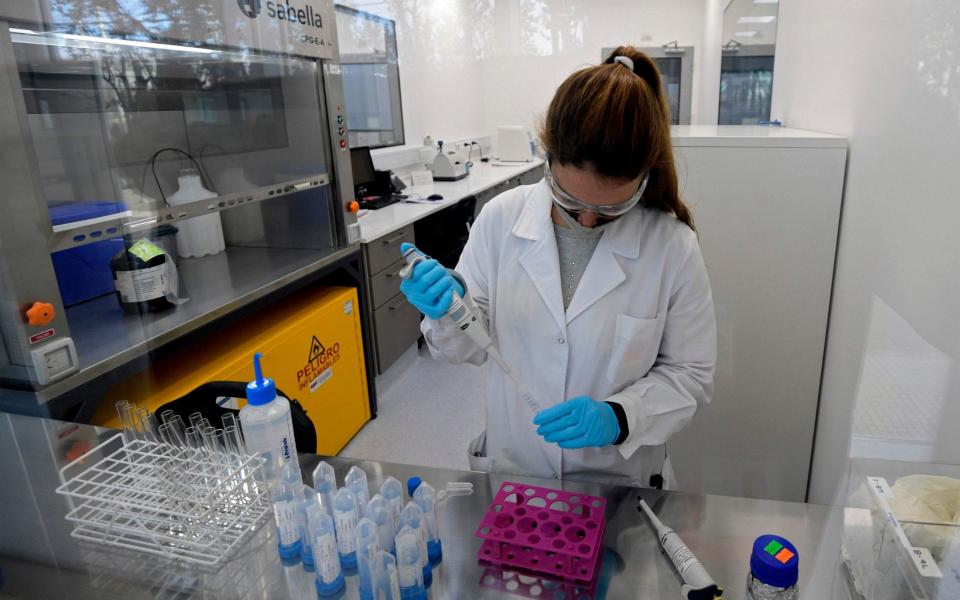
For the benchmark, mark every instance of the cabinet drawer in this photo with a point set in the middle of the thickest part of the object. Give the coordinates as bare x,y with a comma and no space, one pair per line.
385,284
383,252
397,325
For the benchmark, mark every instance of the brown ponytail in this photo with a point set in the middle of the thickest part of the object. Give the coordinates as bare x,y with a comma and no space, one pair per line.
617,123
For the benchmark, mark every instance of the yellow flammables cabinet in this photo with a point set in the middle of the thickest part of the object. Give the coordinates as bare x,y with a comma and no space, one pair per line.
312,348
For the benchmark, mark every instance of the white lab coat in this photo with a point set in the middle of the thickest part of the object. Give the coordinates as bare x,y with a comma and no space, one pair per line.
640,330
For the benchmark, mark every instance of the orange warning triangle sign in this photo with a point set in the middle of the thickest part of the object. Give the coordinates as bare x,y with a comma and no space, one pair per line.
316,349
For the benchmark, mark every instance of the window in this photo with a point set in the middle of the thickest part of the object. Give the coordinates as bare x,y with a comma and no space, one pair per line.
746,84
371,79
676,71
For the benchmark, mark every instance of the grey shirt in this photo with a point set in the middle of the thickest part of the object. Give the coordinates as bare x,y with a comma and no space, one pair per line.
575,247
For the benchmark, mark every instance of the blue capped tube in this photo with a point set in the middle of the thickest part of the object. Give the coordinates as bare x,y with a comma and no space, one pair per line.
386,582
326,556
356,480
392,490
308,498
378,511
325,483
286,499
368,544
426,498
412,517
345,519
409,565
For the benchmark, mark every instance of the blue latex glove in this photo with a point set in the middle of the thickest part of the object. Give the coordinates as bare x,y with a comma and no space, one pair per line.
430,287
578,423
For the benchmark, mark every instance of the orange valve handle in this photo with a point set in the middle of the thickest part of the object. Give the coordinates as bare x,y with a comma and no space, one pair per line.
353,207
41,313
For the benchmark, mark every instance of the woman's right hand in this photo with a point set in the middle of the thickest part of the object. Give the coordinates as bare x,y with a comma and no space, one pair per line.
430,287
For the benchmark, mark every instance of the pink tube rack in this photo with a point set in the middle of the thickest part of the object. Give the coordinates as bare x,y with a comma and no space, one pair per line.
543,530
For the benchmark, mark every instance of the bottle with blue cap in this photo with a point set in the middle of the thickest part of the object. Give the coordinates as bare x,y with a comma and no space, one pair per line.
774,569
267,425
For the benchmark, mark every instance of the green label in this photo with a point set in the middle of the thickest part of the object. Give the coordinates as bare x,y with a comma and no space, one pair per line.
145,250
773,547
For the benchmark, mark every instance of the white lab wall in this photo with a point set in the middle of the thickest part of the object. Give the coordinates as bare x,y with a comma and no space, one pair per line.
887,75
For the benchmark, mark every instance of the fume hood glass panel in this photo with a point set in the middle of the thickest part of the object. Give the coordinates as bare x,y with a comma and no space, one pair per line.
670,72
114,123
746,89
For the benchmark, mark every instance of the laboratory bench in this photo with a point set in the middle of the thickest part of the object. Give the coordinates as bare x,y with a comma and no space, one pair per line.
40,559
396,324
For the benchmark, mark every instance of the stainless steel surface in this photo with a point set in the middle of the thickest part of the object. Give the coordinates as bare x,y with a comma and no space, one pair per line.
385,284
73,235
397,326
39,559
383,252
27,271
216,285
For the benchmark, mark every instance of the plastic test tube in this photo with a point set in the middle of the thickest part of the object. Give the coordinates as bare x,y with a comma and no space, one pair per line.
326,557
308,499
325,483
426,498
285,502
392,490
386,584
368,544
345,519
409,570
378,511
412,517
356,480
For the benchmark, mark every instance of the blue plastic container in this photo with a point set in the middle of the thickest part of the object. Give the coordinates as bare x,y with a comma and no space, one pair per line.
84,273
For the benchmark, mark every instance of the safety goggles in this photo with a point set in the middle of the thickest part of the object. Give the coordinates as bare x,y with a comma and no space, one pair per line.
571,204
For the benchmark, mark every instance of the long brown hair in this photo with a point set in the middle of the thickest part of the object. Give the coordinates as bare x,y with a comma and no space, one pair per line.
617,123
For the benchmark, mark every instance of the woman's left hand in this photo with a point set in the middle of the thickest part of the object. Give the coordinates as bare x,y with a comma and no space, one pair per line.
578,423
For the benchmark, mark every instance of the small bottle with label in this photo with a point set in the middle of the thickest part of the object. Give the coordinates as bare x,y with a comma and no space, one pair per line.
345,519
378,511
308,500
412,517
386,582
409,565
774,570
286,499
326,557
141,277
392,490
426,498
368,544
267,425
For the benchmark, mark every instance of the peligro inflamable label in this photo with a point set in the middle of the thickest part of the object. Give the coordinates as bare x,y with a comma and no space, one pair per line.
288,527
345,523
142,285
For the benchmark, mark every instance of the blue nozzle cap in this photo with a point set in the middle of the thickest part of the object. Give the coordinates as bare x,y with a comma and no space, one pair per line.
412,484
262,389
775,561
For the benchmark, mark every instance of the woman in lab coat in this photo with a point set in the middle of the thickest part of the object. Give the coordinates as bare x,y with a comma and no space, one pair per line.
594,290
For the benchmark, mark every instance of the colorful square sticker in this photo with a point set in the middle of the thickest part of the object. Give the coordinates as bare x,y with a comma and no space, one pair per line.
784,556
773,547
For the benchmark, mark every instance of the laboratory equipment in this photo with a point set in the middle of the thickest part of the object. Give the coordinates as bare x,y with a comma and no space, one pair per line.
368,545
426,498
86,111
345,519
144,490
567,543
450,165
697,583
410,564
325,484
378,511
412,517
774,569
454,488
412,484
326,557
356,480
465,315
515,144
308,500
84,273
141,277
267,426
392,490
386,582
198,236
286,501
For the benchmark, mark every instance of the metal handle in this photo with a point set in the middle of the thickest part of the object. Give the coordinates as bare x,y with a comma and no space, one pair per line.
397,305
394,239
397,273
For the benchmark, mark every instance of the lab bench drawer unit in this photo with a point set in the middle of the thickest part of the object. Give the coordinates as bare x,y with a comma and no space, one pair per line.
383,252
385,285
312,348
398,327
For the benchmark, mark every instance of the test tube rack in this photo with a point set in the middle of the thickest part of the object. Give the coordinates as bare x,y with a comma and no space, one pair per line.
179,502
543,530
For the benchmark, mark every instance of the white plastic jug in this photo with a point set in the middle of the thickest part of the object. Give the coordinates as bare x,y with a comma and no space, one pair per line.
201,235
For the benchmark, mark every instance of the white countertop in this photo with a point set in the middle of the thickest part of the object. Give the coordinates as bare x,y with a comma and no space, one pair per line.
765,136
375,224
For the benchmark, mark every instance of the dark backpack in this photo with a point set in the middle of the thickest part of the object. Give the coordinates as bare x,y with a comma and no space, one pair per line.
204,400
